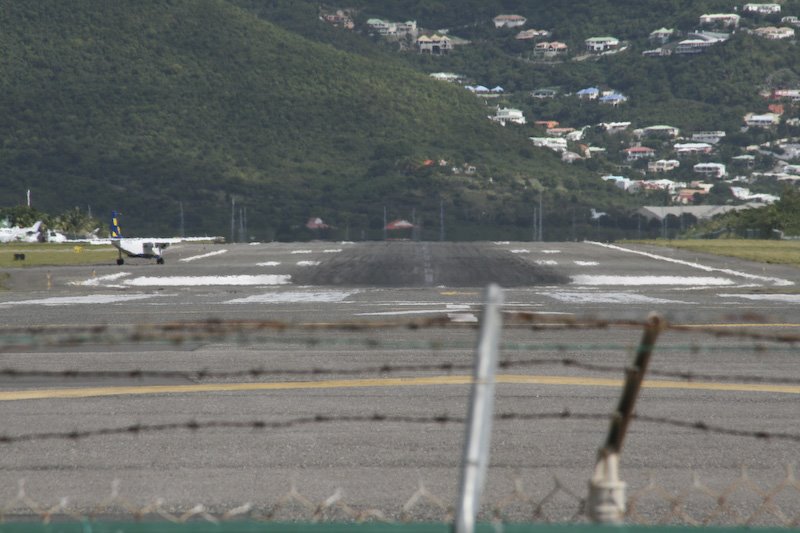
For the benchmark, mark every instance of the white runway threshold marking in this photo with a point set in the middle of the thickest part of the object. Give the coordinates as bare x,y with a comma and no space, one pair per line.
583,279
203,256
291,297
94,299
189,281
92,282
786,298
775,281
607,298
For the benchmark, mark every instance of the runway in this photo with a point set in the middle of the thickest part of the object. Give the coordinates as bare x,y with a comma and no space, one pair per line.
363,411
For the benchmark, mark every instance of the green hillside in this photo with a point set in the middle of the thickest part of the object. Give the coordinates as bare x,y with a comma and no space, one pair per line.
143,106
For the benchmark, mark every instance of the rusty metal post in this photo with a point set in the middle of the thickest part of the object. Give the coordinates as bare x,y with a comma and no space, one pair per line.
606,503
479,419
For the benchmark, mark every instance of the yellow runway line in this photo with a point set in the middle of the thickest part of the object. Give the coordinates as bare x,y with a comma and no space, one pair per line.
93,392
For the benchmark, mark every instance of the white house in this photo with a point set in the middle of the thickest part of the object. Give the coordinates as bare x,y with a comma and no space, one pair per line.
692,148
557,144
635,153
550,49
509,21
713,170
663,165
724,19
661,35
711,137
766,120
601,44
762,9
657,130
508,114
774,34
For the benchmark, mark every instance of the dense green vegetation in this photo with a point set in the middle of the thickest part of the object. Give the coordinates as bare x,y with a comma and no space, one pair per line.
258,110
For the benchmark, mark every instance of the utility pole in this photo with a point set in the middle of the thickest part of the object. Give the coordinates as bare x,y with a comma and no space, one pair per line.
233,219
384,223
182,233
441,220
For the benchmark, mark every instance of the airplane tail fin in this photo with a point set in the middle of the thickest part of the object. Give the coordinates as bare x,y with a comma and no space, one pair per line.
35,227
115,231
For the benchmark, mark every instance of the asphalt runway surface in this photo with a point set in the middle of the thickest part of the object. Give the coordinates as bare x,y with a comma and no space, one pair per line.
408,377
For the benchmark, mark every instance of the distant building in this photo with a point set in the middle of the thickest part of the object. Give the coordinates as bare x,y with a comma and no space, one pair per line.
711,137
526,35
774,34
509,21
766,120
544,93
601,44
721,19
661,35
713,170
684,149
434,44
663,165
590,93
635,153
557,144
657,130
508,114
762,9
550,49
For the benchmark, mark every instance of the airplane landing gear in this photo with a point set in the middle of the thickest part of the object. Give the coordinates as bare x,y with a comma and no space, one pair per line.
160,261
120,261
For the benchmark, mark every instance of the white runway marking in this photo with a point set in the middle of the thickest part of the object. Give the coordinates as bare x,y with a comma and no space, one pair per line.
462,317
548,262
786,298
607,298
551,251
193,281
269,264
294,297
94,299
774,281
582,279
301,251
414,312
307,263
209,254
91,282
332,251
520,251
587,263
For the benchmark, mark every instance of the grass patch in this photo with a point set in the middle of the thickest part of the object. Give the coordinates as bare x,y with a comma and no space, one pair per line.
47,254
762,251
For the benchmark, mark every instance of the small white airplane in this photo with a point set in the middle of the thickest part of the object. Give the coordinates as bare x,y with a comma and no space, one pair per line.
17,234
597,214
146,247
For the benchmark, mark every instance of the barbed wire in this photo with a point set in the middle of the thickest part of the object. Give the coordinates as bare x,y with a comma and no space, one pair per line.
260,372
19,337
442,419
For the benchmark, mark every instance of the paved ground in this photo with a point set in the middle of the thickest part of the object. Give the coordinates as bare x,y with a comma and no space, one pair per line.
381,464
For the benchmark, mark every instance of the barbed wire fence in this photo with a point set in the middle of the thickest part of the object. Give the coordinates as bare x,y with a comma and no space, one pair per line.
696,504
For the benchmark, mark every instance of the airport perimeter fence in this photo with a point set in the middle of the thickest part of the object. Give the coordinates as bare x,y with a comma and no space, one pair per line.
740,501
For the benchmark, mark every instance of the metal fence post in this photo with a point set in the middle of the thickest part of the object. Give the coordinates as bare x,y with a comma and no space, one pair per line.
606,503
479,420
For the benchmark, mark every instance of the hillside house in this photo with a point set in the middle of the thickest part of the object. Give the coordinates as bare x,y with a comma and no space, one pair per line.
711,137
598,45
613,127
509,21
663,165
434,44
527,35
785,94
544,93
762,9
635,153
557,144
548,124
792,19
697,42
767,120
613,98
774,34
448,77
728,20
340,19
661,35
658,130
689,149
657,52
508,114
687,196
590,93
711,170
550,49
